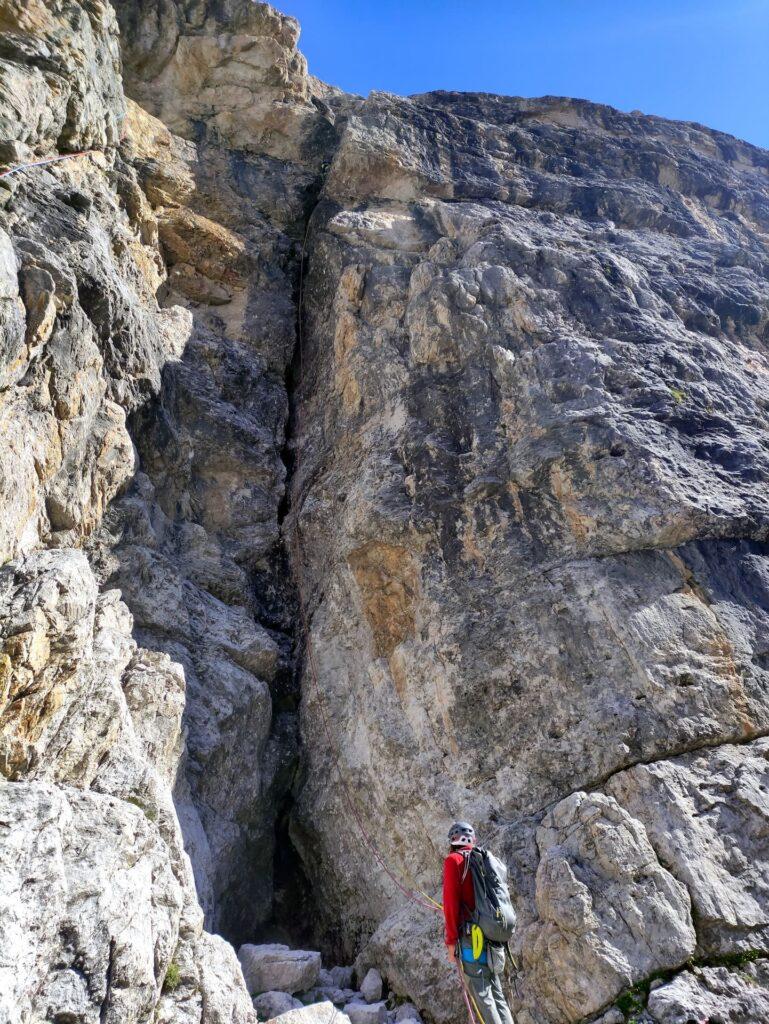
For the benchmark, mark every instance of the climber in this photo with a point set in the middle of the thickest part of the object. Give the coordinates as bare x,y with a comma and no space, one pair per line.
483,960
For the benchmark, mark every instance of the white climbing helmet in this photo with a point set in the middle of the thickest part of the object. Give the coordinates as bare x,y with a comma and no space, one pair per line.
462,834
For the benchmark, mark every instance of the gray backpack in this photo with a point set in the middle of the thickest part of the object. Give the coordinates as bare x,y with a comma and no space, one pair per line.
493,912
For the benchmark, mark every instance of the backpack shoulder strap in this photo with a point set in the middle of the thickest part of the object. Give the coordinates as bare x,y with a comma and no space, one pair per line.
466,865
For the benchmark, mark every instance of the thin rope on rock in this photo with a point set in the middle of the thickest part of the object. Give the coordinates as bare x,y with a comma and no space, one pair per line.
48,160
466,993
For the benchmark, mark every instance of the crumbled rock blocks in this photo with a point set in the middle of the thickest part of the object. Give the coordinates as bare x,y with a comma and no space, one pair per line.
273,1004
580,883
274,967
729,996
342,977
318,1013
407,1011
366,1013
330,993
273,963
613,1016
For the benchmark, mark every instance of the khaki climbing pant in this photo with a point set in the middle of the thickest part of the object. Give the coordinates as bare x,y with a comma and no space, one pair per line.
485,988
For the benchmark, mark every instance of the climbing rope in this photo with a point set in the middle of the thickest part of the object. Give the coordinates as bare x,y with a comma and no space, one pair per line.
48,160
468,996
63,156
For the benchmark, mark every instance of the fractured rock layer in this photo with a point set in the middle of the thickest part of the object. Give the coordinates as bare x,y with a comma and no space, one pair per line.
154,281
202,519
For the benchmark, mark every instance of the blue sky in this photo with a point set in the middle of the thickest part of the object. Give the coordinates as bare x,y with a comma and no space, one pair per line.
698,60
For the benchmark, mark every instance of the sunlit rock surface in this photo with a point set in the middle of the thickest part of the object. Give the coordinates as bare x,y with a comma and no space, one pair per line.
480,384
530,497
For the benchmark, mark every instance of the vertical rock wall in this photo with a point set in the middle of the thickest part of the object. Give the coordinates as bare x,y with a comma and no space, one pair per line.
531,497
148,326
195,545
97,900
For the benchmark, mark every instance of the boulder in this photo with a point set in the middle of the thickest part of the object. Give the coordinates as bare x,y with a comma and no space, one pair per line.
366,1013
371,986
603,901
342,976
75,863
273,1004
328,993
738,996
407,1011
276,968
713,839
318,1013
613,1016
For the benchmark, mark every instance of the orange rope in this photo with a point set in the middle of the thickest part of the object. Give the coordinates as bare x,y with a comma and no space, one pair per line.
463,986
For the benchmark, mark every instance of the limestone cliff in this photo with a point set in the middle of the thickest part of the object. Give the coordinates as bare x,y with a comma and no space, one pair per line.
531,497
478,384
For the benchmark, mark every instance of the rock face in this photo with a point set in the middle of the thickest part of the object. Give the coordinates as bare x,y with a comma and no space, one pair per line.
274,1004
318,1013
73,890
366,1013
530,497
201,520
473,389
734,997
371,986
117,755
608,912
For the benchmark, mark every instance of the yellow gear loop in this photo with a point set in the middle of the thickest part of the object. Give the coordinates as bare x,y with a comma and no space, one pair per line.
477,939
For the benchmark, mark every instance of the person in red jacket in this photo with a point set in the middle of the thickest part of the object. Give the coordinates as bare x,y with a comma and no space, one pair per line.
482,964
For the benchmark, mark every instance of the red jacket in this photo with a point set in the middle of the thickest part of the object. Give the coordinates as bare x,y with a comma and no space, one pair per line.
458,896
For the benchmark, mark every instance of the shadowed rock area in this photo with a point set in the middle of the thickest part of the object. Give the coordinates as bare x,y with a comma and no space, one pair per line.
474,386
